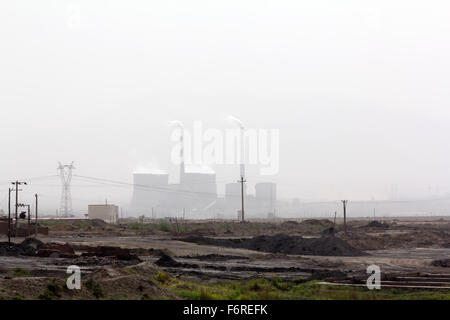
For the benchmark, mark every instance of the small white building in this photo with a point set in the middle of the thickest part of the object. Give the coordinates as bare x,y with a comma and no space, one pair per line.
106,212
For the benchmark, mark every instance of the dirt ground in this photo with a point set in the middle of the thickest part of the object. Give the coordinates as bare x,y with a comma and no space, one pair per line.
121,261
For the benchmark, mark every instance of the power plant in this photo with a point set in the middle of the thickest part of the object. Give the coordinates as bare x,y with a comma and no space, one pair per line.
150,190
196,193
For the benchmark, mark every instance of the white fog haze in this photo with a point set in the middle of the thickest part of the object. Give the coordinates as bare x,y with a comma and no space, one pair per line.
358,91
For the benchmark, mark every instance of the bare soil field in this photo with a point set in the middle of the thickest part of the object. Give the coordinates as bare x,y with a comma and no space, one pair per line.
156,259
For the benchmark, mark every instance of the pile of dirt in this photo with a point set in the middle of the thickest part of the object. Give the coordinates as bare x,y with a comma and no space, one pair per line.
167,261
215,257
363,241
149,252
28,247
315,225
56,250
377,224
133,283
106,251
444,263
328,232
98,261
98,223
32,242
318,222
282,243
327,275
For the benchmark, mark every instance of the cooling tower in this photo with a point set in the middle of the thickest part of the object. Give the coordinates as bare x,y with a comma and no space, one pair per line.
150,190
196,192
266,195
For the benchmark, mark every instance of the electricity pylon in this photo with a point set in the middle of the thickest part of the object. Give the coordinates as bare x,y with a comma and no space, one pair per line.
65,173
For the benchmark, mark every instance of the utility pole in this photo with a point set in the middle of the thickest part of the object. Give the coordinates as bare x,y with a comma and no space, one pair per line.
17,184
242,160
344,202
334,223
17,208
29,218
36,217
9,216
242,181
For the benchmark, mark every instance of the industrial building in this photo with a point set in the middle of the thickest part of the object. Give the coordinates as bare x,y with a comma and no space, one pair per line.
266,197
106,212
150,190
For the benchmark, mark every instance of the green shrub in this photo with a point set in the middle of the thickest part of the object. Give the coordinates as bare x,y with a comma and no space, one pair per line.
164,226
163,277
53,291
19,272
95,288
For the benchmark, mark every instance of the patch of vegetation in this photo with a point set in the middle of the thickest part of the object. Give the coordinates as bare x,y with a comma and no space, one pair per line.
52,292
163,277
277,289
83,224
118,296
19,272
141,226
51,222
94,288
131,271
164,226
280,285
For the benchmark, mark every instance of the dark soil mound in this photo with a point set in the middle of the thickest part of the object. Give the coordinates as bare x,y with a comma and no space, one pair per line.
167,261
28,247
98,223
377,224
328,275
32,242
106,251
445,263
56,250
281,243
317,222
215,257
149,252
328,232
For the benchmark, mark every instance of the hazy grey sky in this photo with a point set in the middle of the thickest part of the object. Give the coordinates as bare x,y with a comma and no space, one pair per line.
358,89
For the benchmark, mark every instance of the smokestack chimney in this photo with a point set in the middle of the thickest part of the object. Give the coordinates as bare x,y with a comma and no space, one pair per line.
182,167
242,147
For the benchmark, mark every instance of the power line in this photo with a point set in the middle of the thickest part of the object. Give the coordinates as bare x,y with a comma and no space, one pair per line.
154,188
